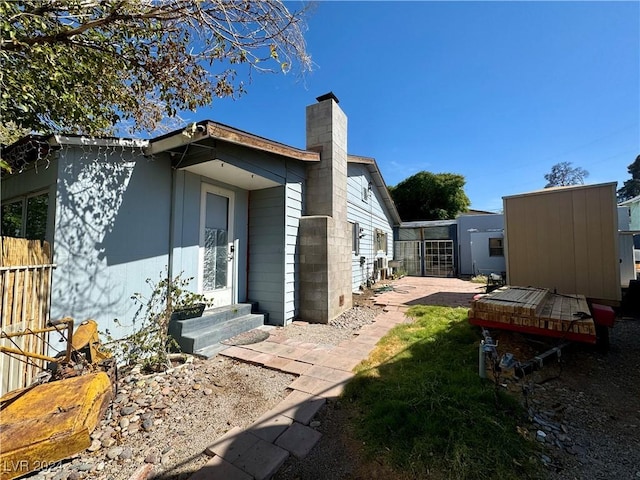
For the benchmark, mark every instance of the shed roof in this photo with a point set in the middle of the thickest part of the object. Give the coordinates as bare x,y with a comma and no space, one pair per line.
550,190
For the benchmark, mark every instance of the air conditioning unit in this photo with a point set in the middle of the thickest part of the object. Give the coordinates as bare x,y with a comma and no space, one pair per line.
382,263
382,266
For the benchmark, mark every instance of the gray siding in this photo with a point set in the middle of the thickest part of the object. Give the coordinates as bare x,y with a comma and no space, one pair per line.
370,215
294,207
111,233
267,251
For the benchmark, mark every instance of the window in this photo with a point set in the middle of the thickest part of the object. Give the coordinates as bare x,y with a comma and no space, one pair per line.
380,241
355,238
25,217
496,247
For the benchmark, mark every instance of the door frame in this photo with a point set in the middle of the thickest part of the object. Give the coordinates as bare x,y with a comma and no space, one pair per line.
230,290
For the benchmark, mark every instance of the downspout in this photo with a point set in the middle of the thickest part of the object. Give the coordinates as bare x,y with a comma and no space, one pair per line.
172,207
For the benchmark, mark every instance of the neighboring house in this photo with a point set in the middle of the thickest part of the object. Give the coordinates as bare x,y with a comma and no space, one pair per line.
631,237
481,238
427,248
634,212
472,244
250,219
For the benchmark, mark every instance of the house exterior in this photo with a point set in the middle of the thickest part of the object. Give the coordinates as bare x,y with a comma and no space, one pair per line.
481,244
633,205
471,244
247,219
372,215
427,248
630,236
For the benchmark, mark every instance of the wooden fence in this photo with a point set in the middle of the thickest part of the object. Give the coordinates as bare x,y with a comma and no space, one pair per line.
25,300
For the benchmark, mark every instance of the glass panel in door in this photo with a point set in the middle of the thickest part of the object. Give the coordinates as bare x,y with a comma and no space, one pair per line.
216,255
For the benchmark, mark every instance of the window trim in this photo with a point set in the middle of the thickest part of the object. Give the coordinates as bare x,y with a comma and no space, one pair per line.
24,201
355,238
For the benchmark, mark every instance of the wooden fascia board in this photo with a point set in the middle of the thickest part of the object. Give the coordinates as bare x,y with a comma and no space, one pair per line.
223,133
238,137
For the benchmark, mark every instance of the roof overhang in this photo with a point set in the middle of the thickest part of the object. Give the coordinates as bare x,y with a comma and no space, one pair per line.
197,132
379,183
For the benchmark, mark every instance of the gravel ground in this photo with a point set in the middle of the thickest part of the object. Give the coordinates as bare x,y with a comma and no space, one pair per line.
587,408
164,422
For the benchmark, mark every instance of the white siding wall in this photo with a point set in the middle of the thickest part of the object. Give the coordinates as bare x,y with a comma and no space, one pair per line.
370,215
467,224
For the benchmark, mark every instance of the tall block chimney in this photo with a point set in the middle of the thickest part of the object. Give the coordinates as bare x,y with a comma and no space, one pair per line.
325,234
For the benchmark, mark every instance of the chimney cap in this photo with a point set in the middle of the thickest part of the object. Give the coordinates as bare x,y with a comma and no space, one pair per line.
327,96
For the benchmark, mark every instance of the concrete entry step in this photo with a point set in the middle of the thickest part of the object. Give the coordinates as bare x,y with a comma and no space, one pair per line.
202,335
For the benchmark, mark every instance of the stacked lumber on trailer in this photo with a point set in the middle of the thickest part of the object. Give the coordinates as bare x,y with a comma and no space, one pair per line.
537,308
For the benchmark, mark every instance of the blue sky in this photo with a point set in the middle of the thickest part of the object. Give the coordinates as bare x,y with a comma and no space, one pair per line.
496,91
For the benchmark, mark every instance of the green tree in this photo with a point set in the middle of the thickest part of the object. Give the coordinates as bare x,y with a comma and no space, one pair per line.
563,174
430,196
631,187
82,66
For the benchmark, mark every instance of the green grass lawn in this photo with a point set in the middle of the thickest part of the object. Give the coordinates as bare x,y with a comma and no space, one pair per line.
422,406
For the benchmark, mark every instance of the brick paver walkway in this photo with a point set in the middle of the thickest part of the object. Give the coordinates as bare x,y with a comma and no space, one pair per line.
258,451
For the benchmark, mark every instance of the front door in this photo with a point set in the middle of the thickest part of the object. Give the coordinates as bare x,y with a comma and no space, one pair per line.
216,245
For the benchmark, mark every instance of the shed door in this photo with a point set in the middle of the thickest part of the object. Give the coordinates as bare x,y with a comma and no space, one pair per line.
216,245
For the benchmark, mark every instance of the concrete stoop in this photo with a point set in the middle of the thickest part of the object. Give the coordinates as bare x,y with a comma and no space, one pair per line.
202,335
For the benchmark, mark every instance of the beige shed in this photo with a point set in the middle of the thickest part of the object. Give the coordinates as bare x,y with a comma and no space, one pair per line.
565,239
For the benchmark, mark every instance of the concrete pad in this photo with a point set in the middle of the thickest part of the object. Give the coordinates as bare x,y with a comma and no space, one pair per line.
270,426
307,345
218,468
299,440
300,406
232,444
329,374
341,363
263,460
